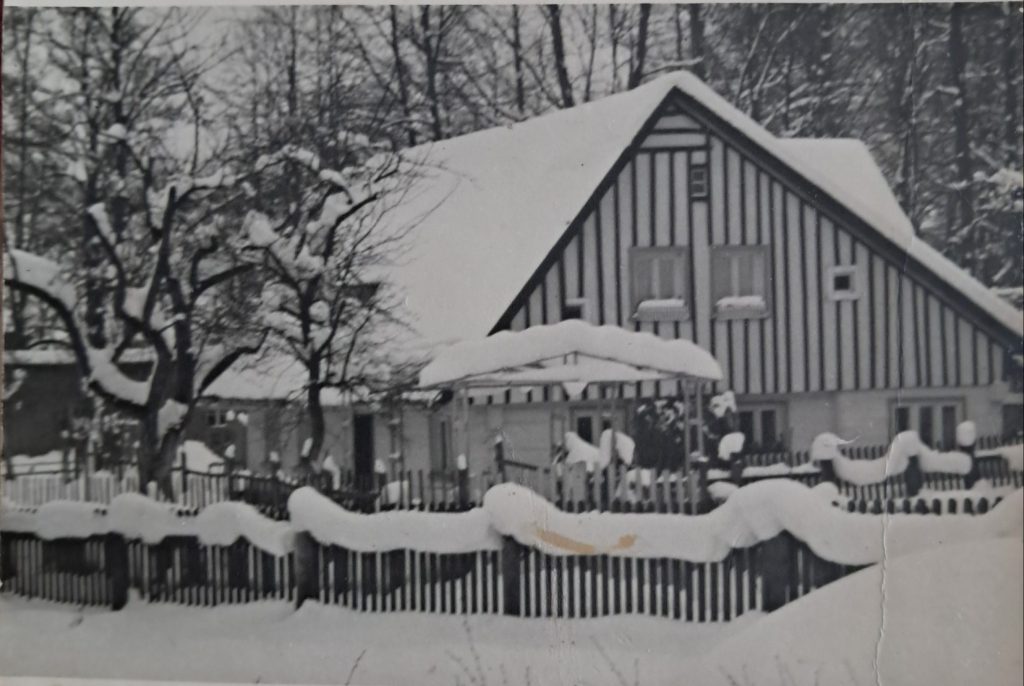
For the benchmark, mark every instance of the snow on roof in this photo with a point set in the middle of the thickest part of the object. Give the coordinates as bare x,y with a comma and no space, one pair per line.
490,205
269,378
847,163
541,349
487,207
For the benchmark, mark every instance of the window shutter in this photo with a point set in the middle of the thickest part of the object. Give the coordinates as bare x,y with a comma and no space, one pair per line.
680,276
642,279
721,276
666,277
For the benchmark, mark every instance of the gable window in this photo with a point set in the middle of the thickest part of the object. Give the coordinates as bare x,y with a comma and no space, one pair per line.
574,308
842,282
659,283
699,181
935,421
739,279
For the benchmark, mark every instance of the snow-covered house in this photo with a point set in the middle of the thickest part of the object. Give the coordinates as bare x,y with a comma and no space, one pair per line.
665,209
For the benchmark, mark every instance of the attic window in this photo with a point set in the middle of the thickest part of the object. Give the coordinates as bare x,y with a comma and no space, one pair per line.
699,181
574,308
842,282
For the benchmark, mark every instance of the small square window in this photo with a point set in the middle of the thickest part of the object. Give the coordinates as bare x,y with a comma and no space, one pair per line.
842,283
698,181
574,308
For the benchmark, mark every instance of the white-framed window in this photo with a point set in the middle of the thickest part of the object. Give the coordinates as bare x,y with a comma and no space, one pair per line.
574,308
700,181
763,424
842,282
934,420
659,283
739,281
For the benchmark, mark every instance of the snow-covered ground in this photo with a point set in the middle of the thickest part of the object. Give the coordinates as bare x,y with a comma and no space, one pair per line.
952,615
273,643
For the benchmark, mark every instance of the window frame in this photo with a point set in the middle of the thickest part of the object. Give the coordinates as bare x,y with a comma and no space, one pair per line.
915,407
757,409
717,252
837,270
582,303
698,190
680,256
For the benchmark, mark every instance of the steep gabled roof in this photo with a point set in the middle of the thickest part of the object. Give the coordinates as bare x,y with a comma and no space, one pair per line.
490,206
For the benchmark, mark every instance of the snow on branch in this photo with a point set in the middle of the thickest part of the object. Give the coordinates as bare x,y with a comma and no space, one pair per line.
42,278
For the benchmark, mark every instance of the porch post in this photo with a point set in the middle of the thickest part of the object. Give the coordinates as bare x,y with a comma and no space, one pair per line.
465,421
699,392
686,424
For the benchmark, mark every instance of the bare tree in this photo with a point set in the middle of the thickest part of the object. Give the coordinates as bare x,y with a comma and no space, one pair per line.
153,243
640,47
554,15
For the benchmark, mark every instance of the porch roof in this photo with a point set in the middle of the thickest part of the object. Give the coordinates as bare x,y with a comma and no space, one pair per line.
570,352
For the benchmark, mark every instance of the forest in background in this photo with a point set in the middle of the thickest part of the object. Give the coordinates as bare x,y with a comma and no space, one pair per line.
934,90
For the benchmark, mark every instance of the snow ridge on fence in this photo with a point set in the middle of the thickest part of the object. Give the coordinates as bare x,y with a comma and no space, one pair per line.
136,517
433,532
752,514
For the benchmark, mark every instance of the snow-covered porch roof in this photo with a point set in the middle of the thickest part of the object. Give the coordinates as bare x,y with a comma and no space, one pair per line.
570,353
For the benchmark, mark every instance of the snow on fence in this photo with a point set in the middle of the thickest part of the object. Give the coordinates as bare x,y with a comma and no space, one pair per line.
615,488
517,555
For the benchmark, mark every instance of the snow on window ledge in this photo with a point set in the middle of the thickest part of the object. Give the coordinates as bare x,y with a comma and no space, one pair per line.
741,307
661,310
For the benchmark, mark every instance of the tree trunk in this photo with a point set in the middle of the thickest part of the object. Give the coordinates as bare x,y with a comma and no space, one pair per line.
403,86
697,42
431,52
613,36
961,135
558,46
637,75
317,425
1011,58
156,457
517,59
677,19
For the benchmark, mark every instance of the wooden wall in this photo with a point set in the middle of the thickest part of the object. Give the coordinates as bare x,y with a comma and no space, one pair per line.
898,334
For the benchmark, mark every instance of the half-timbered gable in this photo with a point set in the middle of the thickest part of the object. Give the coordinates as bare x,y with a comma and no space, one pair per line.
700,235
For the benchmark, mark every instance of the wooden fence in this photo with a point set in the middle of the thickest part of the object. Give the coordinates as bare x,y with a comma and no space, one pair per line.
615,489
515,581
933,505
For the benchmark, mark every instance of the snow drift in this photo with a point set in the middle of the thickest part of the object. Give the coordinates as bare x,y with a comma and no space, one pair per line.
951,616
